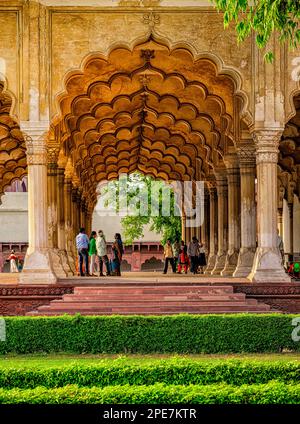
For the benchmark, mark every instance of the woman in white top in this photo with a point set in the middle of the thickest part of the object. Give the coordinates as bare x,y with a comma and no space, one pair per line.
13,262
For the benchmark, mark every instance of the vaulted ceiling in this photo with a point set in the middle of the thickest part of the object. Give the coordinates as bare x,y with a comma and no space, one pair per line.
149,109
13,163
289,154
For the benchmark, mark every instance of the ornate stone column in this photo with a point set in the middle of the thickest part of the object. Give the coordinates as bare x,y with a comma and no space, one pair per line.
248,210
222,191
291,227
234,231
267,266
281,193
37,265
203,237
183,228
52,196
68,214
213,233
60,207
78,201
61,235
52,211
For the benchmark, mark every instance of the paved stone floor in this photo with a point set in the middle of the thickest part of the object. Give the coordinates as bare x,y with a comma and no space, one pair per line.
136,277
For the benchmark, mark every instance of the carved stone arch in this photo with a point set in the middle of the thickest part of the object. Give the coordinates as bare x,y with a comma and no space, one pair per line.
145,124
13,164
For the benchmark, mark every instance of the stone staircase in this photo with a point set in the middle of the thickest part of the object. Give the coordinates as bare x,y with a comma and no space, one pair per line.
151,299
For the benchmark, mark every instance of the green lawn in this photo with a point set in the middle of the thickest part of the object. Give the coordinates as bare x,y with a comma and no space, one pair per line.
44,360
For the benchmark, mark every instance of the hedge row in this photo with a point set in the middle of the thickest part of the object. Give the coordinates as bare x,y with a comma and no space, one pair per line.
142,334
271,393
169,372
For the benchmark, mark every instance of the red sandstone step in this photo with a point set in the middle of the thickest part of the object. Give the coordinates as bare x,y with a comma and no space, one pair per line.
154,290
152,298
94,305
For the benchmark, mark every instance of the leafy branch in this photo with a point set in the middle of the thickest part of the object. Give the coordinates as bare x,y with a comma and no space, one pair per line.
263,17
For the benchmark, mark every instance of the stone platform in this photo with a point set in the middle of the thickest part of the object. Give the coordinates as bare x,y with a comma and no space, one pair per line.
147,293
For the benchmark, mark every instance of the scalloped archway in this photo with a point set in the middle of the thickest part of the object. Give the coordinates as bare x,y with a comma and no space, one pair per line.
151,108
13,164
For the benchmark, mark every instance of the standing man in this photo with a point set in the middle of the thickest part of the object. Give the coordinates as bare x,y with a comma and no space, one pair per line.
169,257
193,252
82,245
102,253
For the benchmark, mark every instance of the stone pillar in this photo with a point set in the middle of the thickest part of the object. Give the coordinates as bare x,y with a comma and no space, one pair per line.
267,266
183,228
79,209
213,233
37,265
61,235
68,211
82,213
234,231
248,211
52,204
60,208
75,223
280,221
291,227
204,229
222,191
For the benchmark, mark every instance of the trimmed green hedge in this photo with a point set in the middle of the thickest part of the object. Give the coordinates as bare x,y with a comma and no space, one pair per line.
150,334
179,372
271,393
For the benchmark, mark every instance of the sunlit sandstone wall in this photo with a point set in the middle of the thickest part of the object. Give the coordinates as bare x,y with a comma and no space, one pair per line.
69,30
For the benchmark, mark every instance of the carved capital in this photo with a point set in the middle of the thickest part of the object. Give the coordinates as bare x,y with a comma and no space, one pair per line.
222,185
267,143
36,151
246,155
52,156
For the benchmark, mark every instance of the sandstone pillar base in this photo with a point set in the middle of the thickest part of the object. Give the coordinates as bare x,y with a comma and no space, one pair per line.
60,270
210,264
220,264
65,263
38,268
245,262
267,267
230,264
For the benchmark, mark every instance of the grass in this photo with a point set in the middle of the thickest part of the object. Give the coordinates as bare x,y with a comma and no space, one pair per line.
48,360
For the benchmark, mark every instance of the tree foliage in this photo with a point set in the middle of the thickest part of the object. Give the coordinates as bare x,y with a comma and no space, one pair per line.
133,224
264,17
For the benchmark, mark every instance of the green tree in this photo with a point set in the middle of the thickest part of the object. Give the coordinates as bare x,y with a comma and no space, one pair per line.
133,225
264,17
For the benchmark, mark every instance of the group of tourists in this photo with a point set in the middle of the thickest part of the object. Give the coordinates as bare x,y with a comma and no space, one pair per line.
93,253
182,257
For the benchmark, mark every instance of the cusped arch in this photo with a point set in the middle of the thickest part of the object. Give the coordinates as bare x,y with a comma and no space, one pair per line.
114,109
